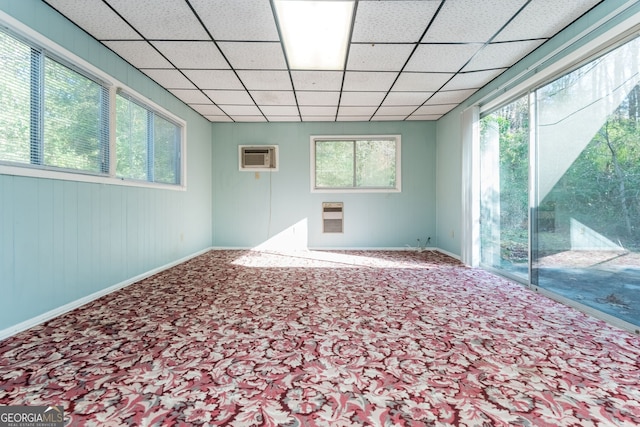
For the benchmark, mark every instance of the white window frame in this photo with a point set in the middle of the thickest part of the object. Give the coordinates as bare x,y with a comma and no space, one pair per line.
75,62
312,150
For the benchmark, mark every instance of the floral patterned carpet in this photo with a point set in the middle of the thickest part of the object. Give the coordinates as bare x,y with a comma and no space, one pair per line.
246,338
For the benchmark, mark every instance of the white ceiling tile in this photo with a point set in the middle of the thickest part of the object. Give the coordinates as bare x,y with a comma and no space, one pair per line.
381,118
441,57
435,109
376,56
409,82
170,79
254,118
240,110
96,18
161,19
544,18
317,98
356,111
464,21
385,33
191,96
472,79
368,81
427,117
317,80
273,97
392,21
214,79
318,111
207,109
138,53
397,110
220,119
318,118
244,20
501,55
265,80
254,55
283,118
451,97
362,98
353,118
230,97
279,110
406,98
192,54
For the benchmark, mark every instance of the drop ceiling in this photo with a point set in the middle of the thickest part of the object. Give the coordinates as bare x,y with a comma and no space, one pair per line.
407,60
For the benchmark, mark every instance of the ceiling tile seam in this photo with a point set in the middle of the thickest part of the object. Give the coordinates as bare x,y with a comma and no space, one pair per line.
480,70
415,47
286,57
354,12
225,58
156,49
158,40
535,39
475,54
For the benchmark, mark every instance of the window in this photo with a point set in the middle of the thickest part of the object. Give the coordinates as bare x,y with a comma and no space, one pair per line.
147,144
355,163
586,210
504,188
52,115
559,198
56,121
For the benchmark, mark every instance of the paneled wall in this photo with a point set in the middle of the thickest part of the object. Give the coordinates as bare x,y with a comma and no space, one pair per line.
64,240
251,209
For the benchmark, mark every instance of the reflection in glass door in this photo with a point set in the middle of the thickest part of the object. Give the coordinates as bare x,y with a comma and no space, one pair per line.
587,213
504,194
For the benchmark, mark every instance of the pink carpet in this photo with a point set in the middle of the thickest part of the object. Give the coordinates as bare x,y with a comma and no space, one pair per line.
326,339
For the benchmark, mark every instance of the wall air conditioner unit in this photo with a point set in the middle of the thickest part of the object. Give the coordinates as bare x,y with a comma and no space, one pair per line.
258,157
332,217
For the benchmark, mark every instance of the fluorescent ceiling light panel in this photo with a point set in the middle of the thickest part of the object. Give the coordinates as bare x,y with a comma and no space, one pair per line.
315,33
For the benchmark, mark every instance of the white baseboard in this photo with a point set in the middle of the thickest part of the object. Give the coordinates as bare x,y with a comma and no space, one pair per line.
452,255
29,323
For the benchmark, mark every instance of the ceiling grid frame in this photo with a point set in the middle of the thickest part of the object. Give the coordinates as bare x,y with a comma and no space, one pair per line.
255,86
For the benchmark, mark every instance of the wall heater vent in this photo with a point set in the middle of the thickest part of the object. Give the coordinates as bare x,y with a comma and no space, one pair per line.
332,217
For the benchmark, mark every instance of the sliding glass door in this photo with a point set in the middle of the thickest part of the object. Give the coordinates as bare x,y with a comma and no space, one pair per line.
579,235
588,184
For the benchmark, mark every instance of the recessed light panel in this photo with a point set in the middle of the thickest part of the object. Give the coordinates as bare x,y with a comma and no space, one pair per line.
315,33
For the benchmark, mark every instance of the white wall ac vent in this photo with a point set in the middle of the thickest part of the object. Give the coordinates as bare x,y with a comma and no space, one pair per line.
332,217
258,157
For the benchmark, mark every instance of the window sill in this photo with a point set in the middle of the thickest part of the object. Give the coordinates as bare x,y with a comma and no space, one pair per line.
356,190
33,172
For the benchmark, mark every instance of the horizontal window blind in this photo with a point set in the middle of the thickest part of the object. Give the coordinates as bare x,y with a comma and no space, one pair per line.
75,134
15,99
51,115
131,139
147,144
55,115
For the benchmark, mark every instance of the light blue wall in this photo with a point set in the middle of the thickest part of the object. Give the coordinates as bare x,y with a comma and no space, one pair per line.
62,240
449,133
248,211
